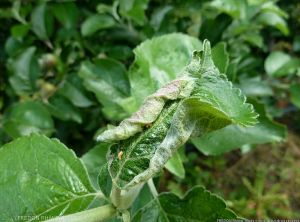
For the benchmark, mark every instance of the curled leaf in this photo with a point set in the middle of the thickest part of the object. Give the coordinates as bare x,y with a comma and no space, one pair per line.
201,100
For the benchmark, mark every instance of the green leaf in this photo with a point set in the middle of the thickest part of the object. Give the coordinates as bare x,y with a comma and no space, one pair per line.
108,80
37,163
295,94
104,180
280,64
94,159
13,46
144,197
42,22
158,61
72,90
62,109
270,6
201,100
25,71
175,166
134,9
158,16
66,13
234,8
28,117
255,86
197,205
19,31
274,20
96,23
296,43
233,136
220,56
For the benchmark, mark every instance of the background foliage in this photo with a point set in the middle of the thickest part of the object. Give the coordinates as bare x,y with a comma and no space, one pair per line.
70,68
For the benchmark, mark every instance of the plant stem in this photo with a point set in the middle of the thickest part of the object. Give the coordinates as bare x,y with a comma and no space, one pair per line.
115,196
93,215
152,188
122,199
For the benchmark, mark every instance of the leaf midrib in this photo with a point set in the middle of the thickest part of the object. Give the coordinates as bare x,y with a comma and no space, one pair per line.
144,134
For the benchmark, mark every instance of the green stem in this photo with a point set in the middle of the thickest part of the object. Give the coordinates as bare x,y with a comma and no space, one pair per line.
152,188
122,199
115,196
93,215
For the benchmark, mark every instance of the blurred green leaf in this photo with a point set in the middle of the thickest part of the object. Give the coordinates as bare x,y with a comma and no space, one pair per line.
62,109
269,6
96,23
75,93
295,94
25,71
159,15
37,163
134,9
42,22
275,20
233,136
13,46
279,64
108,79
255,86
66,13
19,31
296,43
28,117
234,8
175,166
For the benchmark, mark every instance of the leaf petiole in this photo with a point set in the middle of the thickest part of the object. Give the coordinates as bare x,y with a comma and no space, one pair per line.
152,188
93,215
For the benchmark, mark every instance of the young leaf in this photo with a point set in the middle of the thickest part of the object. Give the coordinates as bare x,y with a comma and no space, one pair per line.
197,205
31,186
220,56
222,141
201,100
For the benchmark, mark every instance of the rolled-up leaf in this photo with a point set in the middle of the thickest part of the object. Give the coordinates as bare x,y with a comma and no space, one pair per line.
201,100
